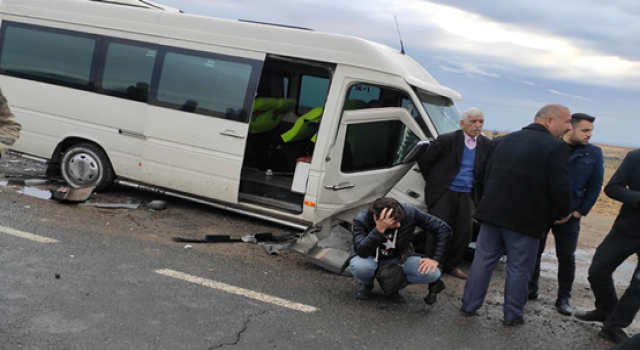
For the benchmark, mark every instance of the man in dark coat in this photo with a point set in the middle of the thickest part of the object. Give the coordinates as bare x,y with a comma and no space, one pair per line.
586,171
622,242
382,235
524,188
448,167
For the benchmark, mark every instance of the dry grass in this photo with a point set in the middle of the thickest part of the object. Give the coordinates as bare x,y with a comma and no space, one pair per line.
613,156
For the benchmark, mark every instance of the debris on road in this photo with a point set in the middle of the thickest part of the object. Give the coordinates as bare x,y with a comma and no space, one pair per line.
131,206
73,194
188,246
268,241
208,239
157,205
57,276
35,192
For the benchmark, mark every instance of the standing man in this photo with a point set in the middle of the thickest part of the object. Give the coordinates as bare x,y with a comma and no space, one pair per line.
448,167
524,184
622,242
586,170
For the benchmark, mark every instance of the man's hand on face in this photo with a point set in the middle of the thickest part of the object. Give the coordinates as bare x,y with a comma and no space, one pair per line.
427,266
384,220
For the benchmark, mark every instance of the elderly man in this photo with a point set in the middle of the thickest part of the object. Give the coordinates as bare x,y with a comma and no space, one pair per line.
448,167
524,187
586,169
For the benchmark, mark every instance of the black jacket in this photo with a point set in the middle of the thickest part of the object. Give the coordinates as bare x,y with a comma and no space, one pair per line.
624,186
440,164
524,182
366,238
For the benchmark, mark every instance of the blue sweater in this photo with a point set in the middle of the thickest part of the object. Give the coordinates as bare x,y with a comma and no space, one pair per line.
463,182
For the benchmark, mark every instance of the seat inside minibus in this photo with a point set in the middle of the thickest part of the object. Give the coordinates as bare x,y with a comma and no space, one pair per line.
286,115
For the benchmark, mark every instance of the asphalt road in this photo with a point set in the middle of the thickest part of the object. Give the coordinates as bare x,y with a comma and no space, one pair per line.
110,294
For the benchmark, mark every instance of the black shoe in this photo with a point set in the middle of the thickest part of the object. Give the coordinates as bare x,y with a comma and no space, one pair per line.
616,335
363,291
563,306
532,296
465,313
513,323
590,316
434,289
396,298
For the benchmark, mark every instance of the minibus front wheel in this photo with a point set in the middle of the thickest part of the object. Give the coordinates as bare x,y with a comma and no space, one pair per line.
85,165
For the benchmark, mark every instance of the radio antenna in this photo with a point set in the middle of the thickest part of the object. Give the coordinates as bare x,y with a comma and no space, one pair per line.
399,35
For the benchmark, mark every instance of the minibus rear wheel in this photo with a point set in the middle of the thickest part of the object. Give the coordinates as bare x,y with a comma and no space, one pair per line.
85,165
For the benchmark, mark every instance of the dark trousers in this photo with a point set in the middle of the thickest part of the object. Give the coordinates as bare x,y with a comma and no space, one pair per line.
631,344
566,236
611,253
493,242
456,209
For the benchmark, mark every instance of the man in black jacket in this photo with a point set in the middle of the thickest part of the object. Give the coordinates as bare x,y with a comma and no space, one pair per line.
524,188
622,242
586,170
382,235
448,168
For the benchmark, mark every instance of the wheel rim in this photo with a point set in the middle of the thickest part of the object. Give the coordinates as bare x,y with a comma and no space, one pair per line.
84,169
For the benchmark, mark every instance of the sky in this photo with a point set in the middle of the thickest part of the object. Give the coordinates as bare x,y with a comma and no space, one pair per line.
506,57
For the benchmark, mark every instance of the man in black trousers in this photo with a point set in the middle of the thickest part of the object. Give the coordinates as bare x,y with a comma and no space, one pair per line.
622,242
448,167
524,188
586,170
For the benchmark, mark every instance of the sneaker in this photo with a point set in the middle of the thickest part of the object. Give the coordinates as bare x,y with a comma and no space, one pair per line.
434,289
363,291
396,298
616,335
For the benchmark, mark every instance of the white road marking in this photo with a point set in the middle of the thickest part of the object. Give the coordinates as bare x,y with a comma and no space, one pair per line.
238,291
27,235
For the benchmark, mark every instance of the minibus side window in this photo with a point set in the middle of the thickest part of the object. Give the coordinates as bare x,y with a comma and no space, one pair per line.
209,84
313,93
377,145
127,70
49,55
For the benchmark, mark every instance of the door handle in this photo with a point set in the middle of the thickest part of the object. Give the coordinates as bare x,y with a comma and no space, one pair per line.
413,194
341,186
132,134
231,133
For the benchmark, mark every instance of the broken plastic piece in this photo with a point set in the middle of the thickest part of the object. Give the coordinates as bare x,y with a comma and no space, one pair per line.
73,194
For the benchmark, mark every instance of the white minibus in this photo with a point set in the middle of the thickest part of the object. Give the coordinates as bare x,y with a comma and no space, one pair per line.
280,123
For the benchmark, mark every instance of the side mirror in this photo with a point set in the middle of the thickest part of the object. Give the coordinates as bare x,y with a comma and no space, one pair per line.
416,152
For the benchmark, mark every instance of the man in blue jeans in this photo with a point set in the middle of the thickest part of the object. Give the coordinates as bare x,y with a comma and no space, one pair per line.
586,171
382,235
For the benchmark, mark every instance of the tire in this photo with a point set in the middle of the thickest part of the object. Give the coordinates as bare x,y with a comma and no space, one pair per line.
85,165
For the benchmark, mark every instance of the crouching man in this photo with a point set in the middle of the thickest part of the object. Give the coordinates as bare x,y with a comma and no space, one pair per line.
382,238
